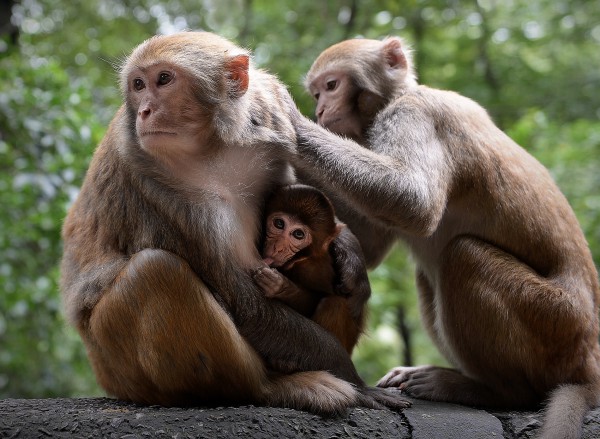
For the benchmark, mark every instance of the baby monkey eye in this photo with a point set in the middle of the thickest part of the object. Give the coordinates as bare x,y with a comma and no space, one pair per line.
278,223
164,78
316,96
298,234
138,84
331,85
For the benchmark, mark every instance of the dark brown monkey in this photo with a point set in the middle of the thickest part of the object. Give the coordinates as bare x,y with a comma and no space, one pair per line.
159,244
508,289
300,228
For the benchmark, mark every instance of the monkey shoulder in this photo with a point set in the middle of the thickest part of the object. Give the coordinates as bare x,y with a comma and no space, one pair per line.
436,104
270,103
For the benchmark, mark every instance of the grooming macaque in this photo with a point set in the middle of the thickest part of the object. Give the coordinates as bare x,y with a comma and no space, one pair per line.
508,289
300,228
160,243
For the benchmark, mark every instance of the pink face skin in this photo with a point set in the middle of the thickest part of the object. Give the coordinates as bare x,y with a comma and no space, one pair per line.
286,236
336,110
166,112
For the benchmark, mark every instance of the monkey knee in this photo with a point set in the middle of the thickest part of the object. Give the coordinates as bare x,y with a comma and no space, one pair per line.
155,264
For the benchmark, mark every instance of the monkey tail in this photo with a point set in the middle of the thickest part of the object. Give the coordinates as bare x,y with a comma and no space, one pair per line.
567,406
314,391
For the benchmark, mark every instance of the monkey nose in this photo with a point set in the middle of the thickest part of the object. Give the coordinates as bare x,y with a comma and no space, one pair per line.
144,113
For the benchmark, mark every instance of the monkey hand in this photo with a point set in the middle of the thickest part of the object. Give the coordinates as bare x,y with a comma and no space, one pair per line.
377,398
271,281
282,138
353,281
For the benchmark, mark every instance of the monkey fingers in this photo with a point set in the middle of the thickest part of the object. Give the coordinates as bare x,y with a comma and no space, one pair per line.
377,398
415,381
396,376
435,383
270,281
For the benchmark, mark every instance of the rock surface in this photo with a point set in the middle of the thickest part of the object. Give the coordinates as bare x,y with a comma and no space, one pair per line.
103,417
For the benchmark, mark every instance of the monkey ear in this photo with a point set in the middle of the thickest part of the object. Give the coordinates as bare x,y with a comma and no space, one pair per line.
338,229
393,54
236,70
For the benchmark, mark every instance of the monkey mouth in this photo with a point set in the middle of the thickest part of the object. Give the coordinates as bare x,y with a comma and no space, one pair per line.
276,262
157,133
329,123
268,261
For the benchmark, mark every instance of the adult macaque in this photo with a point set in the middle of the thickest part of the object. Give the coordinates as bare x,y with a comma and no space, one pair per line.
508,290
300,228
159,245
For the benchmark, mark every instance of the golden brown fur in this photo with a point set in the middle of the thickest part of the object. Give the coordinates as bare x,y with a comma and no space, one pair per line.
508,289
159,245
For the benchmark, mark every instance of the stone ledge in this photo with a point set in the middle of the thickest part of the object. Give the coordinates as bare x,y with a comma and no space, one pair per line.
103,417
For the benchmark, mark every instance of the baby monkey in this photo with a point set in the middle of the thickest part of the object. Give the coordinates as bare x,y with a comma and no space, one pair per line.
300,227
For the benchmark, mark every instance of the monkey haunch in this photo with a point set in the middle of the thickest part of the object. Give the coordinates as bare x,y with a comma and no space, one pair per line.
300,228
159,245
508,290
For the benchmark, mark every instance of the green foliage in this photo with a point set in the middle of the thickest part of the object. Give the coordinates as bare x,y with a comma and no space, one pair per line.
48,134
393,289
534,65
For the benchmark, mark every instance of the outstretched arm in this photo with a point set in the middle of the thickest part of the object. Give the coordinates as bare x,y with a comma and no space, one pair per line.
402,182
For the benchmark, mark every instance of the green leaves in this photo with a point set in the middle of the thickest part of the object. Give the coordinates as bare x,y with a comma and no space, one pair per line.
533,65
48,136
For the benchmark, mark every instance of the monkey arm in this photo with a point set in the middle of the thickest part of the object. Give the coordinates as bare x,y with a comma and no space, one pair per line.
277,286
272,327
375,238
402,182
353,282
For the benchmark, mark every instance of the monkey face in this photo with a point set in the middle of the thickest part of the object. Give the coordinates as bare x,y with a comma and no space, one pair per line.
336,97
286,236
166,113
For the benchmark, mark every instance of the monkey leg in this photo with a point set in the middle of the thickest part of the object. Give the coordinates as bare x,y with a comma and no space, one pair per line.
334,314
511,334
158,336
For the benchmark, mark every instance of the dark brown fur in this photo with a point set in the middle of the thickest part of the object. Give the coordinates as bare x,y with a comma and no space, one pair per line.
311,270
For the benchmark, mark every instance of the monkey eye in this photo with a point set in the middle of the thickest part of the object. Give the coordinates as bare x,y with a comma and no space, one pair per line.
278,223
316,96
331,84
298,234
164,78
138,84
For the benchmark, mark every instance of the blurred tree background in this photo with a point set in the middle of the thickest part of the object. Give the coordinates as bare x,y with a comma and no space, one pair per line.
534,64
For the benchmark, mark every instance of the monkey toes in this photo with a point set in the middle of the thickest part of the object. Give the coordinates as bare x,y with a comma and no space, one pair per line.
420,382
441,384
376,398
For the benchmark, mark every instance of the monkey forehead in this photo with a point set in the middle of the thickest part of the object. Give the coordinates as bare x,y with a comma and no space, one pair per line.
197,52
344,54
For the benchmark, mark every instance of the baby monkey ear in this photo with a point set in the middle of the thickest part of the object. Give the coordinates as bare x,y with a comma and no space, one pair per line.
338,229
236,70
